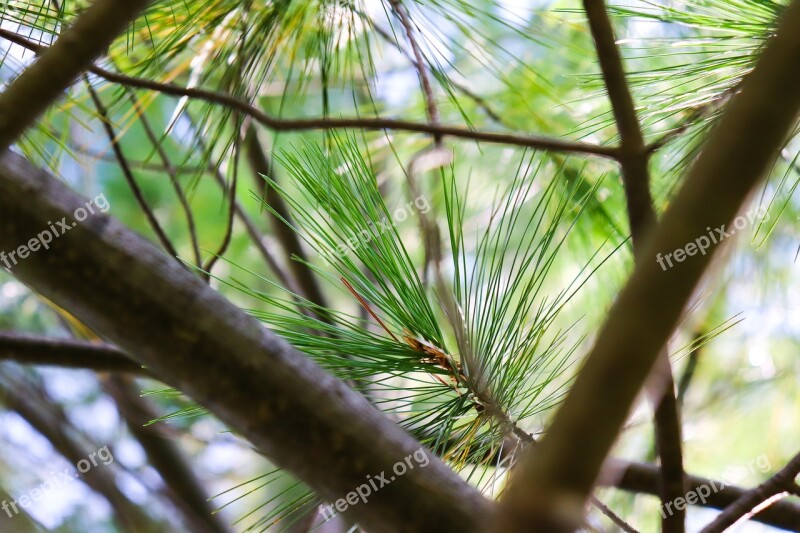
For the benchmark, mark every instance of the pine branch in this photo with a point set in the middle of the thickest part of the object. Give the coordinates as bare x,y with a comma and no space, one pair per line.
550,488
66,353
309,124
306,421
33,91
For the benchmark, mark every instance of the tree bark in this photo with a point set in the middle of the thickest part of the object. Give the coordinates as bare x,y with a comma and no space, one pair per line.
305,420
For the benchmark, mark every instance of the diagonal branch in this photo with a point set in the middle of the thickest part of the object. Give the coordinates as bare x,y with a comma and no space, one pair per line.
549,490
306,421
48,77
643,478
752,502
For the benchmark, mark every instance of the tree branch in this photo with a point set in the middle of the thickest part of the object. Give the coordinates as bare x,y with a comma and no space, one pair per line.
296,257
641,217
306,421
66,353
643,478
633,155
39,85
307,124
750,502
636,477
550,488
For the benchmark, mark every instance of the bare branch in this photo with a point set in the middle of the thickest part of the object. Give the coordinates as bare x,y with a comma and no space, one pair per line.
633,153
644,479
642,217
66,353
751,503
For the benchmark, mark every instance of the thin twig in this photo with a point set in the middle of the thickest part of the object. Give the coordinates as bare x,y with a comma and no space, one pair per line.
419,63
128,174
466,91
751,502
613,516
171,172
226,240
306,124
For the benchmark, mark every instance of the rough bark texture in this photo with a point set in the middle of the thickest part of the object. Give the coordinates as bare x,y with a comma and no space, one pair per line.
551,486
305,420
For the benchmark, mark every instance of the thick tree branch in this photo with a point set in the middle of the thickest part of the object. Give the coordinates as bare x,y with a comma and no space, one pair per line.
748,504
66,353
550,488
307,124
48,77
306,421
